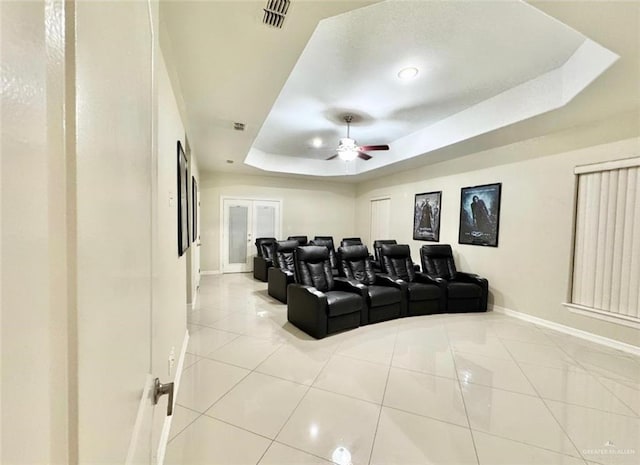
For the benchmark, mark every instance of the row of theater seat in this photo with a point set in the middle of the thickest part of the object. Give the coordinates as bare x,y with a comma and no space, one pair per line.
266,252
323,298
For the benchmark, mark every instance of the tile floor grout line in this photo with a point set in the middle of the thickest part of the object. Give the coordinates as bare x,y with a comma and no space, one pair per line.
518,441
384,393
488,323
550,411
597,377
304,451
424,416
636,415
295,408
464,402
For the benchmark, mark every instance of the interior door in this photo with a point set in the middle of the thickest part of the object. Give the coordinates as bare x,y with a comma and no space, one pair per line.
380,219
243,221
237,236
114,190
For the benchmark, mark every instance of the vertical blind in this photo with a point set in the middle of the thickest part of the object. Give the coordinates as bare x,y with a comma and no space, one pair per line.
606,272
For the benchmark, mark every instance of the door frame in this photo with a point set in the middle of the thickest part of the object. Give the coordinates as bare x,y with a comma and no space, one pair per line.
221,220
371,200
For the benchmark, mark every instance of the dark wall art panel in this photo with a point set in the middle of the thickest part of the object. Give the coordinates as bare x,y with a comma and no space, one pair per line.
426,216
183,202
480,215
194,203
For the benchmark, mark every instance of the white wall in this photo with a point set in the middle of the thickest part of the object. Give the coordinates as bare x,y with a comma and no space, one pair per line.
35,373
530,269
193,273
170,284
309,207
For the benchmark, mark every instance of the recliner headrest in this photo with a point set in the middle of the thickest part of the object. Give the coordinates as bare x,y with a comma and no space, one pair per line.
381,242
302,240
440,250
286,246
323,241
396,250
350,241
354,252
312,253
263,244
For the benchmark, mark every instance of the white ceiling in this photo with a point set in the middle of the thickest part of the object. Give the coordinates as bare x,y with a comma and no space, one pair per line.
465,52
229,67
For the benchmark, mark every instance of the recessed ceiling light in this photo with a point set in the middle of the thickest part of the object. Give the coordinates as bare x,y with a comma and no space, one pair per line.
230,161
316,142
408,73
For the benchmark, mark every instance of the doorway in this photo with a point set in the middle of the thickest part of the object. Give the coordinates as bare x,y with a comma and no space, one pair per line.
380,217
243,221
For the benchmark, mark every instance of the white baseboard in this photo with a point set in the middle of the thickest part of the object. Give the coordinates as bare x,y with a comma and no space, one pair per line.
166,427
210,272
605,341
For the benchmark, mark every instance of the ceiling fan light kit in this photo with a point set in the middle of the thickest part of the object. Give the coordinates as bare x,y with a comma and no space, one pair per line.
348,150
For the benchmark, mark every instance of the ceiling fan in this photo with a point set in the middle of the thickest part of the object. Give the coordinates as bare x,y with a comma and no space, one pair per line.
348,150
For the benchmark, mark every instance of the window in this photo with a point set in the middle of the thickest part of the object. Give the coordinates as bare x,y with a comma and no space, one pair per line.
606,261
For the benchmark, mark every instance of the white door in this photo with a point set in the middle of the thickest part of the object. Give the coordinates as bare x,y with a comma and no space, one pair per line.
380,217
119,305
244,221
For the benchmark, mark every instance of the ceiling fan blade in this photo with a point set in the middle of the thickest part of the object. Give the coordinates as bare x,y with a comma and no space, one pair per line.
364,156
369,148
331,158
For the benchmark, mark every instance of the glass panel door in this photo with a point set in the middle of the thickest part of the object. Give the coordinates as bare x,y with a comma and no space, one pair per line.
236,241
243,222
238,233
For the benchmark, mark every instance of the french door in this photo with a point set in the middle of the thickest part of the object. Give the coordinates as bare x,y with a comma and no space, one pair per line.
243,221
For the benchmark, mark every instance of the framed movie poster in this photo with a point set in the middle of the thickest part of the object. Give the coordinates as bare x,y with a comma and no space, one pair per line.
183,202
426,216
194,204
480,215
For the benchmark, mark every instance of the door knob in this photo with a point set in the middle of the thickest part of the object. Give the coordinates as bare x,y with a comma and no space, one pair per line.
160,389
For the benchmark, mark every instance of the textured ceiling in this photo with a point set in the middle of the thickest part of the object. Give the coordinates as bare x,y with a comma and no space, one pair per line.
466,52
228,67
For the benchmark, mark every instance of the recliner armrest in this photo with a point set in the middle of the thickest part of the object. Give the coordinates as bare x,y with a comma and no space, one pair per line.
426,279
480,281
386,280
356,287
350,285
468,277
307,309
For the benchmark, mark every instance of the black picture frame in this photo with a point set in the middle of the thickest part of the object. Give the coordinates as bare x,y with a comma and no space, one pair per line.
480,215
426,216
183,202
194,208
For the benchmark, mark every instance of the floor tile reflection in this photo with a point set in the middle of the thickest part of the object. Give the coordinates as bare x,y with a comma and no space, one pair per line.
483,389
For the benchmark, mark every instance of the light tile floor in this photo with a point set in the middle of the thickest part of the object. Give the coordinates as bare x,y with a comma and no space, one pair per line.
483,389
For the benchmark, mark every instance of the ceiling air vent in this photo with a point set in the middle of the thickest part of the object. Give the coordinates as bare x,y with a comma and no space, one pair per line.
238,126
275,12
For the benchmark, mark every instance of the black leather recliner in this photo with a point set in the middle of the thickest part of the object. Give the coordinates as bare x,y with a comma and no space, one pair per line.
465,292
385,296
282,273
302,240
264,260
347,241
327,241
377,245
318,303
424,295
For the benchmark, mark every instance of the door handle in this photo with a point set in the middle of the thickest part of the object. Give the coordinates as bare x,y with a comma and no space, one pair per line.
159,390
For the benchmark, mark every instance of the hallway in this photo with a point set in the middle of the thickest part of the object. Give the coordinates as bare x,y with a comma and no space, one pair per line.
459,389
